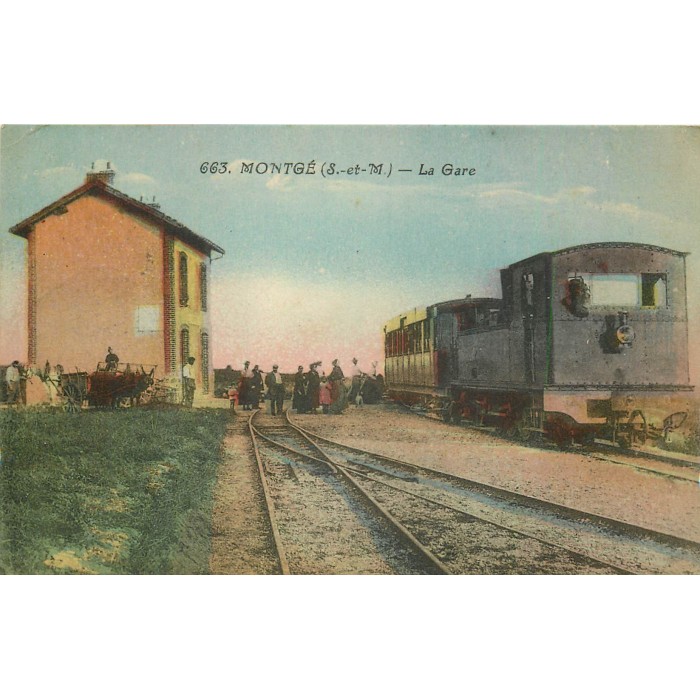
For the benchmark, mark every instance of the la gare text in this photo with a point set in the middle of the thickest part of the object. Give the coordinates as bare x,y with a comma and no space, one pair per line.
331,169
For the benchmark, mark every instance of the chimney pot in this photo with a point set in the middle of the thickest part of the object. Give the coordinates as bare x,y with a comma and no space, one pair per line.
106,176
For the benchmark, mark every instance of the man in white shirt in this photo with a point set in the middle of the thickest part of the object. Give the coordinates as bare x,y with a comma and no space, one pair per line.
12,381
188,382
275,386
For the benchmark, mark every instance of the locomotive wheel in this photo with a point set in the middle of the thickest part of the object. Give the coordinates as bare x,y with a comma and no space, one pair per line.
519,430
561,436
74,400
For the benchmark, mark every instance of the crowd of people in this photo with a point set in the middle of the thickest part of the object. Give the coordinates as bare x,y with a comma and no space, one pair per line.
313,390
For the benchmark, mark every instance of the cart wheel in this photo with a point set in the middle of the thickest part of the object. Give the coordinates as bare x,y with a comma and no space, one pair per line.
73,397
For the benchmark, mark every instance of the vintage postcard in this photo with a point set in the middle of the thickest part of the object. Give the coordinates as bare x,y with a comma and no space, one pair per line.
316,350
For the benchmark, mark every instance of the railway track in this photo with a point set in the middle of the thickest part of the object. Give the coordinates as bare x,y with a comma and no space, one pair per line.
622,546
322,522
468,527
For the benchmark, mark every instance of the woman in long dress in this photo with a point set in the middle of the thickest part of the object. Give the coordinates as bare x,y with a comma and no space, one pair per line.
312,385
299,394
339,394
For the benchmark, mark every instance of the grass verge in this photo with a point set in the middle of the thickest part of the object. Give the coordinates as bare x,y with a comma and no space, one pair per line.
120,492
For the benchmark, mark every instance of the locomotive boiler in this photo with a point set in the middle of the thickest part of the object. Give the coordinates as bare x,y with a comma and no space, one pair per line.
589,341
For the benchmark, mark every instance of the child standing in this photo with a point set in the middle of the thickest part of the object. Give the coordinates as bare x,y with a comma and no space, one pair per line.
324,394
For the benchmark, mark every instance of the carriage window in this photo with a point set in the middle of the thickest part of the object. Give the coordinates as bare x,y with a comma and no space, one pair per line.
416,345
466,319
614,290
653,289
426,335
410,336
494,315
146,320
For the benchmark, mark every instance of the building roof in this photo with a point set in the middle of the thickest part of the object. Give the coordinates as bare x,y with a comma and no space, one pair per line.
102,189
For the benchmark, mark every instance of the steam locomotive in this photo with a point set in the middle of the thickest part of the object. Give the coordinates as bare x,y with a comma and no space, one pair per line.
589,341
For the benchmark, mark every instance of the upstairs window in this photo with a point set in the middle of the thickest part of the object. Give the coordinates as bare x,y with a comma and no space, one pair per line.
203,285
184,294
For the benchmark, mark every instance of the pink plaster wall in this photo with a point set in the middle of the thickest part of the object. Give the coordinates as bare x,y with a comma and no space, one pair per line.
94,265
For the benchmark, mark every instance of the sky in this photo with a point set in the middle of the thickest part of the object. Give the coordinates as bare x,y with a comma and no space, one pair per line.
317,261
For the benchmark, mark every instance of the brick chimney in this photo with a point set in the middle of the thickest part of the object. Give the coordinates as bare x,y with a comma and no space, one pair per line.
106,175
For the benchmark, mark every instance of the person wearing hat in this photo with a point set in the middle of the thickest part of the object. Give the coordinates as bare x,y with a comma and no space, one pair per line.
339,395
356,374
111,360
299,394
256,387
313,383
244,392
275,387
12,376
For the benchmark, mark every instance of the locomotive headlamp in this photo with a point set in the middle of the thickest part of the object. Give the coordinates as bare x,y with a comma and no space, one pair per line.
624,333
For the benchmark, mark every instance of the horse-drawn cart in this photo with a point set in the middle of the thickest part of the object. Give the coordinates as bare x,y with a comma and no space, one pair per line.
73,388
119,386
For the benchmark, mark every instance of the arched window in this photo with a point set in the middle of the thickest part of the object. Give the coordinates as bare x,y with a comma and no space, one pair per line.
184,345
205,363
203,285
184,296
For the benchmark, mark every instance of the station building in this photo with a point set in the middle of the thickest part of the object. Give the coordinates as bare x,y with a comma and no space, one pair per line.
106,270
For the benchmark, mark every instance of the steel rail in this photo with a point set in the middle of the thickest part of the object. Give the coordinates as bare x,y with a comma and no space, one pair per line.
658,472
667,538
500,526
279,547
336,468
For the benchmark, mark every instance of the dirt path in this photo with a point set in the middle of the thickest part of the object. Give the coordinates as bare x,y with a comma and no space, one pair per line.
241,543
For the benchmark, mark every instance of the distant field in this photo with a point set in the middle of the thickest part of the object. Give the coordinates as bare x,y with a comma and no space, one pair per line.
121,492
